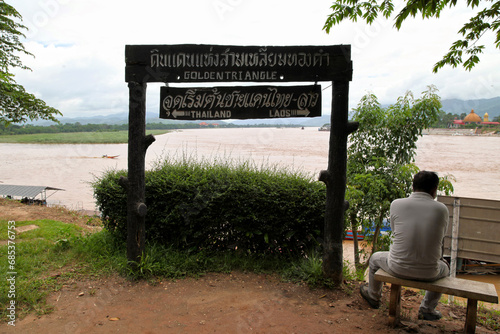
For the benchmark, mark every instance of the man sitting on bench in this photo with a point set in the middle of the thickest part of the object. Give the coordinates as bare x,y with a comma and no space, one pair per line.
418,225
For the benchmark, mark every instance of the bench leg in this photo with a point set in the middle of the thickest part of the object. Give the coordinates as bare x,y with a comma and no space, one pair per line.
471,316
394,305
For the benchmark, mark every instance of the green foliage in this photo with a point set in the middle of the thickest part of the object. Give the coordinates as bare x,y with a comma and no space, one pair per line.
16,105
10,40
444,119
221,206
308,269
353,273
167,262
462,52
445,186
381,154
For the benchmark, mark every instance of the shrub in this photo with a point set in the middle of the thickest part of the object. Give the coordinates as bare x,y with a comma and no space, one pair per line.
221,206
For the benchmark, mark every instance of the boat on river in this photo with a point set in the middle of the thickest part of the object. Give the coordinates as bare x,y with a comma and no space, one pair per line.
325,127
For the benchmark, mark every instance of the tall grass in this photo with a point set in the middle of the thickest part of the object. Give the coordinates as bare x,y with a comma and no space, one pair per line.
222,205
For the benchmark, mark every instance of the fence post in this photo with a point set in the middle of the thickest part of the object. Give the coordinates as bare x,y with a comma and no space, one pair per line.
454,241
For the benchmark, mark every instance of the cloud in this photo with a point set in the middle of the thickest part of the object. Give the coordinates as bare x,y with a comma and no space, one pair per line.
79,47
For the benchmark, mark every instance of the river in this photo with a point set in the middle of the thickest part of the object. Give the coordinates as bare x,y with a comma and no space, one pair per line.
472,160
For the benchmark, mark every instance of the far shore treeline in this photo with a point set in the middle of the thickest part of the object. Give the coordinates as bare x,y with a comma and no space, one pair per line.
14,129
444,120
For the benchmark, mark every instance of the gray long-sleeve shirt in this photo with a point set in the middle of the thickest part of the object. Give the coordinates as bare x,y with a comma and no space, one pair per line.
419,225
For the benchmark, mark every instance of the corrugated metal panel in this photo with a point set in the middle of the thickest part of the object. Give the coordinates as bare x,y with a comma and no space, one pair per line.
478,229
23,191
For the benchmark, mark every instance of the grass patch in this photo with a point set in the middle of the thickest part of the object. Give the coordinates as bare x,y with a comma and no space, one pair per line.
36,256
54,247
112,137
309,270
167,262
49,230
488,318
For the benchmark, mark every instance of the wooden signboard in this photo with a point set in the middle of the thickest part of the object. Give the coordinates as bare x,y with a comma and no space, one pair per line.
229,63
245,102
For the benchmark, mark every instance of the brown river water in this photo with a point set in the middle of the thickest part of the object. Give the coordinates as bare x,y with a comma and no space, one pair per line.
471,160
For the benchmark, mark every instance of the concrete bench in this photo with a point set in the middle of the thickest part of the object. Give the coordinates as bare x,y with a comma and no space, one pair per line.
471,290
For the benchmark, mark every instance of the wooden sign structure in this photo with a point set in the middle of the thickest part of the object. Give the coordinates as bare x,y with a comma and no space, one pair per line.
230,63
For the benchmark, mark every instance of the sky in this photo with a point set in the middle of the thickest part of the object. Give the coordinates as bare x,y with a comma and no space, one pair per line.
79,47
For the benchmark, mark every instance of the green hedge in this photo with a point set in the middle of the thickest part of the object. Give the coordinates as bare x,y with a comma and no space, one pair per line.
213,207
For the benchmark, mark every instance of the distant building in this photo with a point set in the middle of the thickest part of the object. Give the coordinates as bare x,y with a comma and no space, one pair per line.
473,118
487,121
207,124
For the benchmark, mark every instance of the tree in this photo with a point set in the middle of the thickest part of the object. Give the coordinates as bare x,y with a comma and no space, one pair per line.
381,155
463,52
16,105
444,120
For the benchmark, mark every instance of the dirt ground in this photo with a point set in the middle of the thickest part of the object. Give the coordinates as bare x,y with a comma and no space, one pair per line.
216,303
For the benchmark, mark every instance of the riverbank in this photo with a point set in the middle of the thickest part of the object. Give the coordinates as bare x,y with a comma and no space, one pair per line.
121,137
462,132
111,137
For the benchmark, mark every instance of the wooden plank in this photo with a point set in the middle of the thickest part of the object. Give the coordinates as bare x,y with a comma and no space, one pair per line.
448,285
225,63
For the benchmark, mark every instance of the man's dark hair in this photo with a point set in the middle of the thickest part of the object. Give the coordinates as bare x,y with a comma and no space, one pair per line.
425,181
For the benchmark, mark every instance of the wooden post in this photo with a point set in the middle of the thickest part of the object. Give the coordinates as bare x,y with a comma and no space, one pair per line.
335,179
135,183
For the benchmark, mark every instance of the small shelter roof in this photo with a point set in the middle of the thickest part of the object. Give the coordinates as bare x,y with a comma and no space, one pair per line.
23,191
